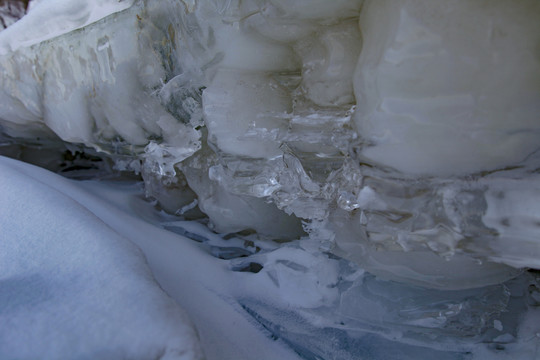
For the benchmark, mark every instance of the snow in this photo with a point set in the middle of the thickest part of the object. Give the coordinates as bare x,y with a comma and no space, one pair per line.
74,286
48,19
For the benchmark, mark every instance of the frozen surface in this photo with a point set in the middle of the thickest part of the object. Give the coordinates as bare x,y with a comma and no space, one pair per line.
285,117
397,138
51,18
449,88
71,270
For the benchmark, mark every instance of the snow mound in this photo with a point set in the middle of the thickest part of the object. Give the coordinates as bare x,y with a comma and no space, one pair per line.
72,287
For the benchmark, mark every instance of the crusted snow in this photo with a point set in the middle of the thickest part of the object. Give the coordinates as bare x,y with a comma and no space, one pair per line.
48,19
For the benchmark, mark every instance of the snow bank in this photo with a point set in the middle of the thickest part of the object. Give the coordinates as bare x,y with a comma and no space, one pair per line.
72,287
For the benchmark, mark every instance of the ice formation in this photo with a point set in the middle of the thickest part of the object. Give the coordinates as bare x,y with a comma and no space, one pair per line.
399,135
452,87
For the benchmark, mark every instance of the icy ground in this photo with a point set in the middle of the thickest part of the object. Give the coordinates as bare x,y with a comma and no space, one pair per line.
74,285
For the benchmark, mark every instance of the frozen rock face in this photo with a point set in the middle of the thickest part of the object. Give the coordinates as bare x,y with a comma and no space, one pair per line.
394,133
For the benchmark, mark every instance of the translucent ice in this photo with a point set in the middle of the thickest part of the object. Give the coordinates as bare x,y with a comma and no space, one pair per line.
401,135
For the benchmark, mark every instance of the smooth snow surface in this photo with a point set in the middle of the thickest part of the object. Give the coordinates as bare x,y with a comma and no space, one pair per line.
73,286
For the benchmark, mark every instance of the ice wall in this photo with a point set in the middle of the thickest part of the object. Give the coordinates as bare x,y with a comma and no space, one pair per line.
449,88
394,133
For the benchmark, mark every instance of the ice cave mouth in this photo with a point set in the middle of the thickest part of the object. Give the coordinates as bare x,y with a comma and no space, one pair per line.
401,135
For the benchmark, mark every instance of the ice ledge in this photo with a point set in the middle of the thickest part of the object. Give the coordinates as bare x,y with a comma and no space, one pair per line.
380,132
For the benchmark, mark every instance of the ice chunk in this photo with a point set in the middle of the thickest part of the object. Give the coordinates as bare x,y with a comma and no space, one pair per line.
95,86
448,88
230,211
261,104
384,257
512,211
328,61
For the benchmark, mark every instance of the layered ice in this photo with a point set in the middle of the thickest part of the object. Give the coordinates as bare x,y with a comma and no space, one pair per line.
399,135
103,98
451,87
